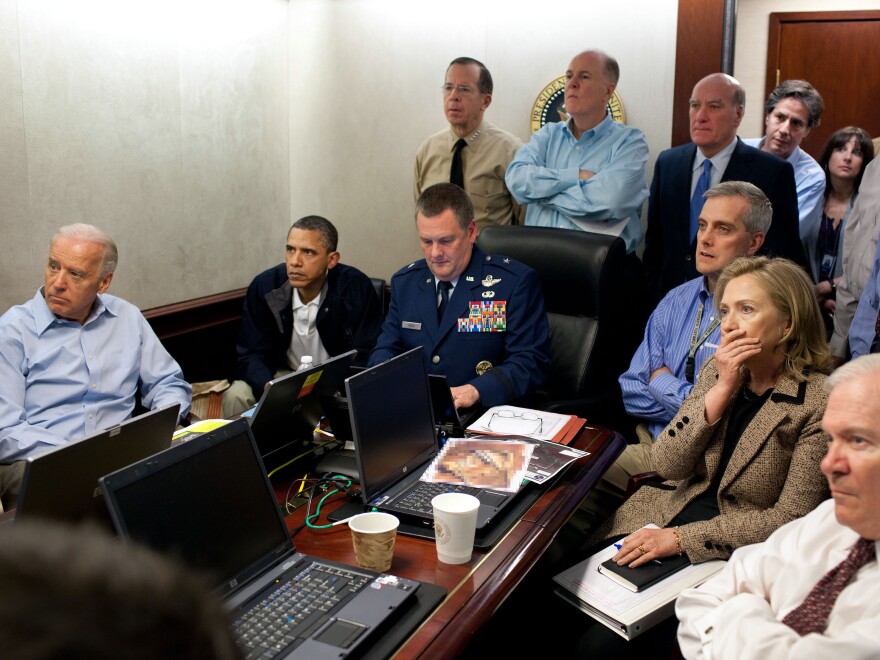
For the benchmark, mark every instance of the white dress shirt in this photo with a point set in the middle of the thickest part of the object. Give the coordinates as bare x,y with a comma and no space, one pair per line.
305,339
738,612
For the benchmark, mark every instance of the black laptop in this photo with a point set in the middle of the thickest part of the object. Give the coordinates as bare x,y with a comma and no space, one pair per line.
392,424
291,407
62,483
447,417
209,502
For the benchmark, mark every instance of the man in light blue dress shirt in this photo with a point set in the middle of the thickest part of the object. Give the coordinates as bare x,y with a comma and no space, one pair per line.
793,109
73,358
589,172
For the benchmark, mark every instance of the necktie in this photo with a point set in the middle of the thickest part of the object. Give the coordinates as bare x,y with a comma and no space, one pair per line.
444,288
697,200
456,172
812,615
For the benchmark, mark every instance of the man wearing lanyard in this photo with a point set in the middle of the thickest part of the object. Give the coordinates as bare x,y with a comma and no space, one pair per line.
683,331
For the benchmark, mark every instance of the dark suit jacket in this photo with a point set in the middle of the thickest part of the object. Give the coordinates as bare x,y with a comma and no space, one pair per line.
520,355
669,252
349,318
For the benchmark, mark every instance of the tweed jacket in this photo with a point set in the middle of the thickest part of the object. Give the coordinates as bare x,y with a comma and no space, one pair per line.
772,478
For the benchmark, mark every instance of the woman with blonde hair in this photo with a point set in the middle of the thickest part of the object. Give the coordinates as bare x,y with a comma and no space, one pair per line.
742,455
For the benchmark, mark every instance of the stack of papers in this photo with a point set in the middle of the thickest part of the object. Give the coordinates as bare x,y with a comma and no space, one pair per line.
626,612
528,423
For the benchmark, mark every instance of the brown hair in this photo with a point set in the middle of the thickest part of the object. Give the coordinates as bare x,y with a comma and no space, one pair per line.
791,293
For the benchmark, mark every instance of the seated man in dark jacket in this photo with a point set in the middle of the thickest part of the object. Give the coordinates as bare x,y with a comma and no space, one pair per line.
309,305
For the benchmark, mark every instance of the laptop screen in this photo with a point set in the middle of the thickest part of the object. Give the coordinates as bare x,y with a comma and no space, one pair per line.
292,405
207,501
63,483
391,420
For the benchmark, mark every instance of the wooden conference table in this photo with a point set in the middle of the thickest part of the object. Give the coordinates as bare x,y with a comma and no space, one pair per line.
476,589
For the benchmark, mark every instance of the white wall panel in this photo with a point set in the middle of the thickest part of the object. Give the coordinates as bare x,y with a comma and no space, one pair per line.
365,78
164,123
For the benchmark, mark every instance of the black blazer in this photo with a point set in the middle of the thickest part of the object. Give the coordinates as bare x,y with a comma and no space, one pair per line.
669,252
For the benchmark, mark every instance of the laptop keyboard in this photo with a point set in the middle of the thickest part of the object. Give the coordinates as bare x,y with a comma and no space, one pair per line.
419,498
295,610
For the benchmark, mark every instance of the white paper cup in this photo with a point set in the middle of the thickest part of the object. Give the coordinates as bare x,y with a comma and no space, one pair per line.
455,522
373,537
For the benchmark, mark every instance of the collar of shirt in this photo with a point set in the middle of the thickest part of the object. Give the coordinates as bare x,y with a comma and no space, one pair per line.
473,140
706,297
793,158
317,301
45,318
598,131
454,284
719,164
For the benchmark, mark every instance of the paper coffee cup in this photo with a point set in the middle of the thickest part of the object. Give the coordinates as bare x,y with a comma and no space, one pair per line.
373,537
455,523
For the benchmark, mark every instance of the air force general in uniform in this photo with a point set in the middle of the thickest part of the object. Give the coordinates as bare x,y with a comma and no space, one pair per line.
489,336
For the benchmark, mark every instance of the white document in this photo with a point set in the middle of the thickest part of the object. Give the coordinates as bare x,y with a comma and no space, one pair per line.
510,420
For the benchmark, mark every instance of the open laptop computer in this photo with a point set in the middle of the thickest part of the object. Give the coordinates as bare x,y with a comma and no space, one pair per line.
447,417
291,407
209,502
62,483
393,427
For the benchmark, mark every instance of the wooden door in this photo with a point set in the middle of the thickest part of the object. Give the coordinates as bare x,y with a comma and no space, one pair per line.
839,53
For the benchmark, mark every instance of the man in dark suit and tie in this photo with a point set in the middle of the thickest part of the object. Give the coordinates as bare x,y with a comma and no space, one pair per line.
682,174
480,317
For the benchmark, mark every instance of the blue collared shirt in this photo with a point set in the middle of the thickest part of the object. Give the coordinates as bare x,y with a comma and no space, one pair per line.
545,175
863,328
60,381
666,343
809,179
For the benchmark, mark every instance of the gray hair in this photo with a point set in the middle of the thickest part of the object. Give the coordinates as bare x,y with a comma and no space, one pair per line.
760,212
610,67
82,232
802,91
866,365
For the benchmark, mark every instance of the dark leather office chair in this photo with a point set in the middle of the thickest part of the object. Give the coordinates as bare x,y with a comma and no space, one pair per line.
379,288
593,295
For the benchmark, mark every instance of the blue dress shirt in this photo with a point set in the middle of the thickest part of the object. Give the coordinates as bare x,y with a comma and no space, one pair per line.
60,381
666,343
863,328
545,175
809,179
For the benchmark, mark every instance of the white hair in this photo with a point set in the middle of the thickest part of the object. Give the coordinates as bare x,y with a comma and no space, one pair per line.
83,232
866,365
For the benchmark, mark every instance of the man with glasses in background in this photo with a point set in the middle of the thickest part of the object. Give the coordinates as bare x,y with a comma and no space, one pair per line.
472,153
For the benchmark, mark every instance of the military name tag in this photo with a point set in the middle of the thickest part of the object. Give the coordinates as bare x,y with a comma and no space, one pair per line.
485,316
411,325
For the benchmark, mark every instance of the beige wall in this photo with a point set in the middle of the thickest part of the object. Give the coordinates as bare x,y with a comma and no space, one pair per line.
365,78
195,130
750,55
163,122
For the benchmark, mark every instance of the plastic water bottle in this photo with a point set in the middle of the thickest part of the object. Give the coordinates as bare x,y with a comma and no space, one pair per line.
305,363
